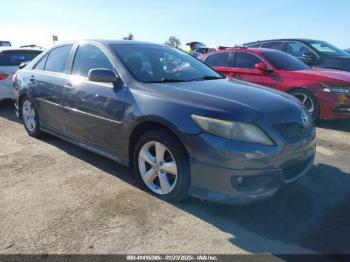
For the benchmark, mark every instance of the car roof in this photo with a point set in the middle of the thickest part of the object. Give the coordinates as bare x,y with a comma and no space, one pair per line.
9,48
281,39
111,42
244,49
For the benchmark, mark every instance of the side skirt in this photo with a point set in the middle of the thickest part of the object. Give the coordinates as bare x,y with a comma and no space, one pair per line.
87,147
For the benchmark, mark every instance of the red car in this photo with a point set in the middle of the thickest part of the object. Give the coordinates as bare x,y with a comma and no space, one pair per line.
324,92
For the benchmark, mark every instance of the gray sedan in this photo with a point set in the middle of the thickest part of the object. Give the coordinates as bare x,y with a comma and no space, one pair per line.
181,126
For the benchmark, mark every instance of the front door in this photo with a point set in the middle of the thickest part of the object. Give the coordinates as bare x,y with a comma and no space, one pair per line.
243,68
93,111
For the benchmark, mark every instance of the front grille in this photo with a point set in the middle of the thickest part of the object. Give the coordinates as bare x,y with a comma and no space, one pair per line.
293,133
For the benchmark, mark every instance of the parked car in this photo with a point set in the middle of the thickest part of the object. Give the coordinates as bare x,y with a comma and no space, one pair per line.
10,59
181,126
5,43
33,46
324,92
200,48
315,53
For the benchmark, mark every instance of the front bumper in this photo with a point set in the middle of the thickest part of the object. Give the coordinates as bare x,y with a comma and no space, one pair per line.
334,106
235,172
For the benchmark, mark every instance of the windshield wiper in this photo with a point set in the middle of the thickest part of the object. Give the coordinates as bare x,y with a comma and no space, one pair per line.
168,80
208,77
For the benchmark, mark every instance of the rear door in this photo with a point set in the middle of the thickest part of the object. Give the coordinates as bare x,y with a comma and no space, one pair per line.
244,66
9,62
93,111
277,45
48,78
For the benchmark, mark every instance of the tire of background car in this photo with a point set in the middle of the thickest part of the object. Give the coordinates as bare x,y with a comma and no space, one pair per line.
162,165
30,118
309,100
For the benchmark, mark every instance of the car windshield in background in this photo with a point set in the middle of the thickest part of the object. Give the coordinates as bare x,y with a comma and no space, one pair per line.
328,49
5,43
15,58
157,64
284,61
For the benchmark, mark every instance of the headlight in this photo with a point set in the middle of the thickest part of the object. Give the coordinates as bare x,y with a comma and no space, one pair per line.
336,89
233,130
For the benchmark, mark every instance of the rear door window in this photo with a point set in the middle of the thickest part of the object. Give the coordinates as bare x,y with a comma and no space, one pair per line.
253,45
218,60
278,45
41,64
16,57
58,59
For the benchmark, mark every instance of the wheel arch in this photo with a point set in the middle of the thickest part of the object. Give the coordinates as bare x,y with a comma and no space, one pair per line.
20,101
149,124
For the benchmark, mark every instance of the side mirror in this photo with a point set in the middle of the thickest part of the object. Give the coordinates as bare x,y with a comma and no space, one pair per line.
263,67
102,75
308,57
23,65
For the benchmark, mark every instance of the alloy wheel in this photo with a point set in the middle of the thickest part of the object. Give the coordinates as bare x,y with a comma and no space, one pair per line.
28,113
306,101
158,167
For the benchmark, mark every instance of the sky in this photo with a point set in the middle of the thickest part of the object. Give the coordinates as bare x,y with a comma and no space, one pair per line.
215,22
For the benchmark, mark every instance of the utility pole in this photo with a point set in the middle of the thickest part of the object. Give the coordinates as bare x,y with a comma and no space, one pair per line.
54,39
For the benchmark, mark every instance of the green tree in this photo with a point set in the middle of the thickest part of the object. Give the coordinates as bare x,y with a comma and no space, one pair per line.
129,37
173,41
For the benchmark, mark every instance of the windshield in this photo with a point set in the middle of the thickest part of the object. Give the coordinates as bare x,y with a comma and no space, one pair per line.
283,61
328,49
153,64
5,43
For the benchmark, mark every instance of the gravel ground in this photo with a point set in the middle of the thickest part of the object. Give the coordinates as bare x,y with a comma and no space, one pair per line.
58,198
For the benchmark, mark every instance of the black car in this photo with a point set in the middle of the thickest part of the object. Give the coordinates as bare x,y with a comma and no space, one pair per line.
182,127
313,52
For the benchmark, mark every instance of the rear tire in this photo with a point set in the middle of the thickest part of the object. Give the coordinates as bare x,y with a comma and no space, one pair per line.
309,100
30,118
162,165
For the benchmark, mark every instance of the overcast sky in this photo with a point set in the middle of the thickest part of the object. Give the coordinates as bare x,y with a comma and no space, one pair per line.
225,22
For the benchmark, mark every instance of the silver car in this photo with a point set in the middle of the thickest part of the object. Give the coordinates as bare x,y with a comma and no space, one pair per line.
10,59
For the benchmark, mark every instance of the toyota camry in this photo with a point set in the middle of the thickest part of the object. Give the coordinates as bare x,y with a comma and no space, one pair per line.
182,127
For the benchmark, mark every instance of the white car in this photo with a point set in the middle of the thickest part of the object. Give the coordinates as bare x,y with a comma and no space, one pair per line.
10,59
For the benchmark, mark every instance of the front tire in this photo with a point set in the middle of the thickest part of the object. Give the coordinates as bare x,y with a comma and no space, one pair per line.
309,100
30,118
162,166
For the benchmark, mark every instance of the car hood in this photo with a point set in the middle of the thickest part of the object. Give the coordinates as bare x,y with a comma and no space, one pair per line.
234,100
328,74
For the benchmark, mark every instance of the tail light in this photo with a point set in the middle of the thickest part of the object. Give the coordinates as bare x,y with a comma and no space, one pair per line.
3,76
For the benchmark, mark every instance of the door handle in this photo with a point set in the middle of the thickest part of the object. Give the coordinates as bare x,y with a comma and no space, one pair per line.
68,86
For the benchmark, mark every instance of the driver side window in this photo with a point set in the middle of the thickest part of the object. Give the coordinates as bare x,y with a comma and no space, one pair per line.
297,49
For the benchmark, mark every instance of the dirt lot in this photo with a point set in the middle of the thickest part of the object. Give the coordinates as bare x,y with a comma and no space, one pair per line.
58,198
